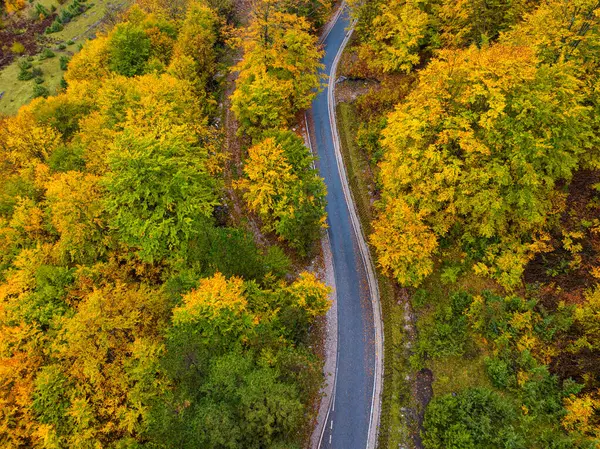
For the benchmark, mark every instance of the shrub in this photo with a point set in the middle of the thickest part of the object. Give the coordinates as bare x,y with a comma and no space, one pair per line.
500,373
62,47
447,335
55,27
39,80
64,62
41,10
46,54
17,48
24,65
65,17
39,91
25,75
36,71
476,418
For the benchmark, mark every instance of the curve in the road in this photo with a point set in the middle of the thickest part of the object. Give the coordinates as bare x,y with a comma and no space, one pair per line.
353,416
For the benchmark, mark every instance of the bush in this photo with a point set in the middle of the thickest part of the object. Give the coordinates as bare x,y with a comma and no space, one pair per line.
24,65
447,335
64,62
46,54
17,48
41,10
55,27
476,418
25,75
39,80
500,373
65,17
39,91
36,71
62,47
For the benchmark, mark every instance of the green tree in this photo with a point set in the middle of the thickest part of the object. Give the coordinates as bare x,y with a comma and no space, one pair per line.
129,50
475,418
159,194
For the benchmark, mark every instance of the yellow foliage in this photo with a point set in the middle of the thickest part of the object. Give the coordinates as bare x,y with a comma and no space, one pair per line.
13,6
90,64
75,205
583,414
310,294
24,141
213,296
396,34
404,244
269,176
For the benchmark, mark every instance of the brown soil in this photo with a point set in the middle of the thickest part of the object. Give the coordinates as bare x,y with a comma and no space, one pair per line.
27,32
549,270
423,395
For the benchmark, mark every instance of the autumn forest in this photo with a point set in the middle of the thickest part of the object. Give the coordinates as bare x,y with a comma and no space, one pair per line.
163,219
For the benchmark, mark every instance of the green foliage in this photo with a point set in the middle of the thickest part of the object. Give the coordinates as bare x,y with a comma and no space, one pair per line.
472,419
500,372
54,27
46,53
67,158
446,334
159,194
129,50
41,10
50,399
40,91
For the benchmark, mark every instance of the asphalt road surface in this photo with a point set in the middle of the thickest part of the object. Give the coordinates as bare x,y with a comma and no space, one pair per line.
347,426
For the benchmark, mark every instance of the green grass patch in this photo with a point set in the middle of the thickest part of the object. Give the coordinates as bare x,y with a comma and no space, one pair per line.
456,373
394,431
17,93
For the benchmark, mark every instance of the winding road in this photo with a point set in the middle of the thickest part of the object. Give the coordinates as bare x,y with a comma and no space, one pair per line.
353,415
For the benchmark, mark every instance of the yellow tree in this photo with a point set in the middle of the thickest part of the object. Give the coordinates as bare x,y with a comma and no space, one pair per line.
75,206
279,72
109,351
284,190
480,145
395,36
196,40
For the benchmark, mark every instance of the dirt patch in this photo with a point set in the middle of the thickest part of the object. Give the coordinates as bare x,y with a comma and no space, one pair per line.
423,395
563,274
26,32
348,90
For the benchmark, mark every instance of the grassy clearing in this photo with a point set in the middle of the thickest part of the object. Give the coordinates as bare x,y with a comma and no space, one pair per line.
17,93
394,431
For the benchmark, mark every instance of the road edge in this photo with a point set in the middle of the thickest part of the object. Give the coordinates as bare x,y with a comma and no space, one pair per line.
327,392
364,250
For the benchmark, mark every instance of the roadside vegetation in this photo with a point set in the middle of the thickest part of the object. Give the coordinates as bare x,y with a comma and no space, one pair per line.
477,144
136,309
